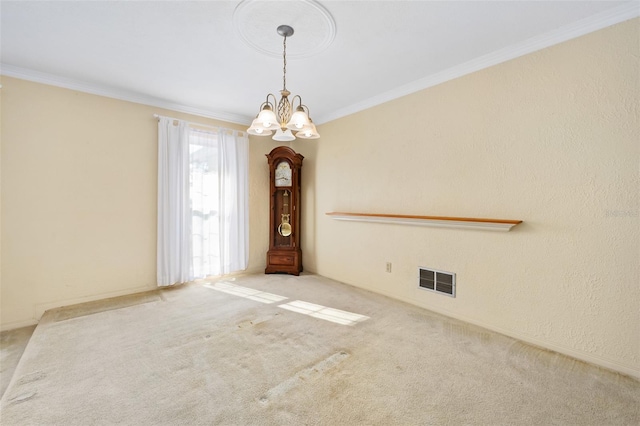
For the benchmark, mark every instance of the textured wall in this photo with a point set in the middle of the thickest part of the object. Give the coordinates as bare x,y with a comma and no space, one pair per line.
550,138
79,194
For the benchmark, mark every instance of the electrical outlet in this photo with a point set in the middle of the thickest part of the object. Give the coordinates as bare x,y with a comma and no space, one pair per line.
388,266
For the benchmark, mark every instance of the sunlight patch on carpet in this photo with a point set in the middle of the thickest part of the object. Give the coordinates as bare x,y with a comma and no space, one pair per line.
323,312
299,306
247,293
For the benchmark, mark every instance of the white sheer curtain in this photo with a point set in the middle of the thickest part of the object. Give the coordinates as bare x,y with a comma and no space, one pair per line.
174,218
202,202
234,202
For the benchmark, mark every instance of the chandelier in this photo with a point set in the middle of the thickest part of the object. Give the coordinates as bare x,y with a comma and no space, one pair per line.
279,117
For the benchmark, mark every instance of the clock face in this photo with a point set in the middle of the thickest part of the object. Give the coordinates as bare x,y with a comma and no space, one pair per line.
283,174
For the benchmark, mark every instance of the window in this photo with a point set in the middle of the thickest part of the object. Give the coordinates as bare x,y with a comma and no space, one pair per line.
202,202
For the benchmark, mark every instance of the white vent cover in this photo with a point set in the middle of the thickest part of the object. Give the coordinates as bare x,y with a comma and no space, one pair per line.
438,281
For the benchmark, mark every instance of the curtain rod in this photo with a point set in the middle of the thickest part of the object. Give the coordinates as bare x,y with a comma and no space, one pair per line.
189,123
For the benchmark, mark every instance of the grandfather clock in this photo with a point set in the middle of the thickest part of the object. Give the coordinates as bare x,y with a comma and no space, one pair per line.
284,255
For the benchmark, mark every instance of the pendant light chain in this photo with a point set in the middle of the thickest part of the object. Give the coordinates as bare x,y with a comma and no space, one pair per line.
284,60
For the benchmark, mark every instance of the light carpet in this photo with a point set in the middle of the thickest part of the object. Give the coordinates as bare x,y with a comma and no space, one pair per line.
283,350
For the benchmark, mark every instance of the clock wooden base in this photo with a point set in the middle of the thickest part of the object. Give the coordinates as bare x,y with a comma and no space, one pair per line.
285,261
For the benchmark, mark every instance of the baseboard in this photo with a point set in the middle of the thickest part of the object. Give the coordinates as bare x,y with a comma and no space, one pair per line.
582,356
250,271
579,355
41,308
18,324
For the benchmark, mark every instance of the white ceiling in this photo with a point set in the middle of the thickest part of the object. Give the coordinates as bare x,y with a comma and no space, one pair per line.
192,56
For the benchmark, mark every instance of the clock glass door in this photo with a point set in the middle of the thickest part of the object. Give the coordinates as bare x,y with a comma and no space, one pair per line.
283,212
283,174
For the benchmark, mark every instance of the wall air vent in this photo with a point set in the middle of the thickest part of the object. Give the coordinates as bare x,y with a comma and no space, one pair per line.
438,281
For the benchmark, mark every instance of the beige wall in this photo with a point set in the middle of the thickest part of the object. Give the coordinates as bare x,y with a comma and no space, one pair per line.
551,138
79,193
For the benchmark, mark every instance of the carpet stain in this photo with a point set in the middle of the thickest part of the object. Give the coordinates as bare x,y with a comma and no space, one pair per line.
309,373
22,398
32,377
256,321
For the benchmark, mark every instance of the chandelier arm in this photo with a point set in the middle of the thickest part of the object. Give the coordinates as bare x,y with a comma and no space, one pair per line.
293,101
272,105
300,105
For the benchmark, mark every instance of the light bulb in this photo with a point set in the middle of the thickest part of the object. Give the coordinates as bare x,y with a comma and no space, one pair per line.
298,120
267,119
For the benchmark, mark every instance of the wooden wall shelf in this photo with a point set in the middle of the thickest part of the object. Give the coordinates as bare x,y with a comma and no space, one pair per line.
439,221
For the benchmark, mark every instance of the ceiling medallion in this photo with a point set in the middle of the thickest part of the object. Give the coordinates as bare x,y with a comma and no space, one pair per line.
254,20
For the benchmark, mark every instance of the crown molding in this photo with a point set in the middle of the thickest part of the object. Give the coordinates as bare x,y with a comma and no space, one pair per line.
110,92
585,26
599,21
